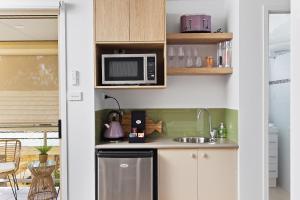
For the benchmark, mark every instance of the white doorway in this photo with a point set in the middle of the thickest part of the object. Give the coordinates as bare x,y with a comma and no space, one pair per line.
48,10
277,104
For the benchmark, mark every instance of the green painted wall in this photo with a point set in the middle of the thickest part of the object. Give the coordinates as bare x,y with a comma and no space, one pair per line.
184,122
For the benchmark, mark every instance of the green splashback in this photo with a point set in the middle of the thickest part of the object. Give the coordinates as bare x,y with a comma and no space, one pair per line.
231,122
184,122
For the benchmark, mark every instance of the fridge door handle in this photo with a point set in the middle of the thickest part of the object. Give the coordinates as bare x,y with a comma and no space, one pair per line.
124,165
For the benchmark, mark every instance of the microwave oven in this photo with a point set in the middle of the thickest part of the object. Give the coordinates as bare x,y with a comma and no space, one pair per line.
129,69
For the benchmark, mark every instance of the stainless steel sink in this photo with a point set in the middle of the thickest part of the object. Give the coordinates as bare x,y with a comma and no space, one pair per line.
198,140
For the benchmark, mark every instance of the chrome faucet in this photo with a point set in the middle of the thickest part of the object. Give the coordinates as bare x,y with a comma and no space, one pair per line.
212,132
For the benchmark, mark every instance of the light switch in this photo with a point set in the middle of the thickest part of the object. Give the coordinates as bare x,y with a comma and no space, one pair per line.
75,96
75,78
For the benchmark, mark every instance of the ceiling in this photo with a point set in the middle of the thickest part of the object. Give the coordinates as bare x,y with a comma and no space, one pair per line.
279,30
28,29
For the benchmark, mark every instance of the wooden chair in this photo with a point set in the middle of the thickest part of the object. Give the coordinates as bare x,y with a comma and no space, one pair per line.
10,151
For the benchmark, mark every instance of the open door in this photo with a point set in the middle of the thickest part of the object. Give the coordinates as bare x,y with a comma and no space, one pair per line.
33,95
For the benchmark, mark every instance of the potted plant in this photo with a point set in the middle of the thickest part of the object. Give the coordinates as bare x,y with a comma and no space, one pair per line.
43,156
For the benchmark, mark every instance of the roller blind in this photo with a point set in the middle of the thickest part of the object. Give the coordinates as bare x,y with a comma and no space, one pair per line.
28,109
29,98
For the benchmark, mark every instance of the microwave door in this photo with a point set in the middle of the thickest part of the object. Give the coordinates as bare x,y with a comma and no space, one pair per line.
123,70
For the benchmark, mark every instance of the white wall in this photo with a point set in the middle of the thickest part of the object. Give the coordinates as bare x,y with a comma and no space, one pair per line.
181,92
81,115
232,85
279,114
251,134
295,99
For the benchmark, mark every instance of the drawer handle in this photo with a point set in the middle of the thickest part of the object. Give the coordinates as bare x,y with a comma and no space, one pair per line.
194,155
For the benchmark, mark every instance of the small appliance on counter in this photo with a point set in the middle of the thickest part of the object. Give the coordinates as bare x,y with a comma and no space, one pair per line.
114,130
138,127
195,23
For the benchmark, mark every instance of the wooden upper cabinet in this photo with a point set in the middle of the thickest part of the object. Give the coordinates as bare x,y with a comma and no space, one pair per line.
112,20
147,20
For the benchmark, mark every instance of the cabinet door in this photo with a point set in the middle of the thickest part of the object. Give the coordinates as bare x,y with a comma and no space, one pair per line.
147,20
112,20
177,174
217,174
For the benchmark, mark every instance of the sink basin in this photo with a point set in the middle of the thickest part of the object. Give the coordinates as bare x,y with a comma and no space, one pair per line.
198,140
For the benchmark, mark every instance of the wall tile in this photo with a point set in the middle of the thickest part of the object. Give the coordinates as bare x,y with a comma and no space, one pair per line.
184,122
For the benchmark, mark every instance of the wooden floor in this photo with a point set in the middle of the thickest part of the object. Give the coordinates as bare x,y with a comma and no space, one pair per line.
278,194
6,193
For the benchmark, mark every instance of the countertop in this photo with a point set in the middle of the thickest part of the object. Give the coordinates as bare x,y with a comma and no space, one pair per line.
165,143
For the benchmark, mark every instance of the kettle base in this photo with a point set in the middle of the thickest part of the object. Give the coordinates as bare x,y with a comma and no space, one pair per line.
114,140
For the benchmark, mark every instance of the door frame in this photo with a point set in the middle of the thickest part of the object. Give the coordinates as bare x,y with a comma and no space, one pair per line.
267,10
55,8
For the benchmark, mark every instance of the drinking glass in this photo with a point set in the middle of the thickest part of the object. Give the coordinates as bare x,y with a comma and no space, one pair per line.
171,56
197,57
180,56
189,59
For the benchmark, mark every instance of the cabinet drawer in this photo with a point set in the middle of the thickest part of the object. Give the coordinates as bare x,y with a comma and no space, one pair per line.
273,152
273,138
273,173
273,159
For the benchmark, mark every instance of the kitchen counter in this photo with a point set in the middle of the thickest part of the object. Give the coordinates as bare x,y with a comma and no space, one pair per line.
165,143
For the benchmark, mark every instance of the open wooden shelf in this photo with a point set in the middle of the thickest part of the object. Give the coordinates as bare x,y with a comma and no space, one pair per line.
199,71
198,38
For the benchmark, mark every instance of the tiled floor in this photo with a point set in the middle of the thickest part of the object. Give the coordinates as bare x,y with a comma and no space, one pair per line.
6,193
278,194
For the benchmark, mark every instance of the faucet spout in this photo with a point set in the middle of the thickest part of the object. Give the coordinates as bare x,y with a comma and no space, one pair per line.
209,117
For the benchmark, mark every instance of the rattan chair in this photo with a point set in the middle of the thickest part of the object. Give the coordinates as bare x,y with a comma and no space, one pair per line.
9,162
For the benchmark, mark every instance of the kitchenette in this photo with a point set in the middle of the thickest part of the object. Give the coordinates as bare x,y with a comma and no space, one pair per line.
166,114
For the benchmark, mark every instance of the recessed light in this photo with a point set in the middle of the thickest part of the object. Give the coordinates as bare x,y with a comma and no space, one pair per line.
19,26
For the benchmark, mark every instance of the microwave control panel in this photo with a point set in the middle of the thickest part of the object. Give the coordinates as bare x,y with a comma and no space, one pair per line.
151,68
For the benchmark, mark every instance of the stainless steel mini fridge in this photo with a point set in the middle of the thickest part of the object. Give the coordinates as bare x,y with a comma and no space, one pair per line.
125,175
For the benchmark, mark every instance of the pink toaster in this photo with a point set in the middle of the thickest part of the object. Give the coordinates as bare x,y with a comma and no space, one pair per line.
195,23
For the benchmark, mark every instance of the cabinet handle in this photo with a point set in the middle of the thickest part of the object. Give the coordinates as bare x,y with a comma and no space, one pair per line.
194,155
204,155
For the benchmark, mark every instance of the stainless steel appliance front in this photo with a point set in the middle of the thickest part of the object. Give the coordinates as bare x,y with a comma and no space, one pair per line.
125,175
129,69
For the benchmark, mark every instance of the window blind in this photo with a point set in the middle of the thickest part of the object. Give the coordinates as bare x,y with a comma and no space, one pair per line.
29,110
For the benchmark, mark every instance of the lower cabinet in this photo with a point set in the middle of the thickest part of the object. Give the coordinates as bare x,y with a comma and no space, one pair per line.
177,174
197,174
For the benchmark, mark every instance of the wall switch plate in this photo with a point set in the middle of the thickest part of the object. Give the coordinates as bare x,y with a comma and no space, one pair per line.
75,78
75,96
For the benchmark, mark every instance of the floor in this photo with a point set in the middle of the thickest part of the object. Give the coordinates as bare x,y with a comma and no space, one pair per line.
278,194
6,193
